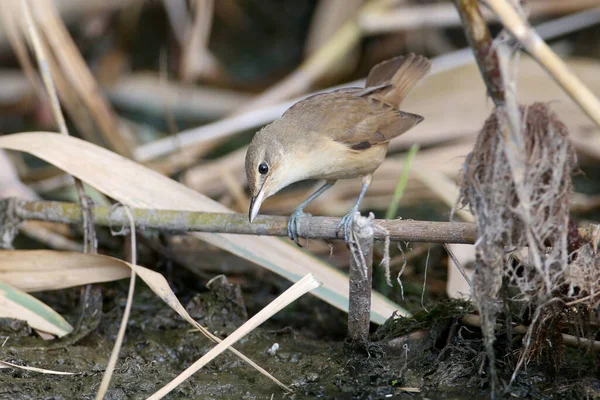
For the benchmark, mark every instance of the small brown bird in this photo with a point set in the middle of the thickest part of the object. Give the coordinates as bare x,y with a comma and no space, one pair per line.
340,134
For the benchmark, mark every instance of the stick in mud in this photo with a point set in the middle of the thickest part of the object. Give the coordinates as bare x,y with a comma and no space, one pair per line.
361,277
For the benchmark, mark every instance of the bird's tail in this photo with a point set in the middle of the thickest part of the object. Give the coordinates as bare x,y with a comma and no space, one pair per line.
397,77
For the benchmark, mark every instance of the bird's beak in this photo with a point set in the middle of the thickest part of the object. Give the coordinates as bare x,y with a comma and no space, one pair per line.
256,202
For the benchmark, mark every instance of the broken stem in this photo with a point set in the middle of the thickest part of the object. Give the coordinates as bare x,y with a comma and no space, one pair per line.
361,277
480,40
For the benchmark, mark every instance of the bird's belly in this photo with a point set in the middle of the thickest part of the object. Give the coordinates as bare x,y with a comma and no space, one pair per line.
344,163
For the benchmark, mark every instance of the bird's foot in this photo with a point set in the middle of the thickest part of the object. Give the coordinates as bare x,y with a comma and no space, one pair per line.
294,224
346,225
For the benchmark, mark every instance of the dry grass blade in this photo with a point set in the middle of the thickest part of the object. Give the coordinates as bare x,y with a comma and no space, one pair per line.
81,80
40,52
17,304
6,364
202,177
10,184
13,15
486,285
534,44
39,270
114,355
161,288
137,186
300,288
90,242
93,268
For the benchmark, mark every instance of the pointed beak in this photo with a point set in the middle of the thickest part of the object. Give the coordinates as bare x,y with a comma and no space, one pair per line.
256,202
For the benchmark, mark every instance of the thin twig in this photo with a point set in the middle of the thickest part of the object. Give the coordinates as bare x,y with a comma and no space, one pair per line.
544,55
90,242
185,221
457,264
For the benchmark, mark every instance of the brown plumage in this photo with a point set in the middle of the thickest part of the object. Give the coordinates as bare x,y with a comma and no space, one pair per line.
335,135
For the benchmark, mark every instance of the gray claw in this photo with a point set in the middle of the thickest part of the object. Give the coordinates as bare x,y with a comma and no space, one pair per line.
346,225
294,225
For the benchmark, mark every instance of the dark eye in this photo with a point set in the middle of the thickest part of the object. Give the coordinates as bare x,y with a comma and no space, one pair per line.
263,168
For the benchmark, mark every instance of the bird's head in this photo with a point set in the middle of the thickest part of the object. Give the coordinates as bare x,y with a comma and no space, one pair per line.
269,167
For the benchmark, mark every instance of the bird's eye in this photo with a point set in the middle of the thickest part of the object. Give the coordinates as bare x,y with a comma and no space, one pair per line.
263,168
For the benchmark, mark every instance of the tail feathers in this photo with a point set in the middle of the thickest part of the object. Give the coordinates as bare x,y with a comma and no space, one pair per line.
401,73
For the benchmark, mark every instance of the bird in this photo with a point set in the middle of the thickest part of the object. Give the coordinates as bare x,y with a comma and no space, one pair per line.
340,134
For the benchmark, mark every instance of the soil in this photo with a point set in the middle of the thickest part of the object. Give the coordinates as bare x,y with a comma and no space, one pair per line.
430,356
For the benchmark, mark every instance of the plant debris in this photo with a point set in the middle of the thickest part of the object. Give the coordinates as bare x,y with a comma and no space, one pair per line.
523,263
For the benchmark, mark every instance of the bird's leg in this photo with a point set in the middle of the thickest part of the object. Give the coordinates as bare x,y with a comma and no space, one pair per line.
346,222
293,222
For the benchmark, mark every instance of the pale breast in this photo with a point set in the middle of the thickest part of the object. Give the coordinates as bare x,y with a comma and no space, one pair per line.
340,162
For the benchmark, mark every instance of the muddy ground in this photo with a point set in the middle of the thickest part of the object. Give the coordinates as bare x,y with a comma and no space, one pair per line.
430,356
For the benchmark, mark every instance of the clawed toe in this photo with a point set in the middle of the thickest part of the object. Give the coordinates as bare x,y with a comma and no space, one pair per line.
346,225
294,225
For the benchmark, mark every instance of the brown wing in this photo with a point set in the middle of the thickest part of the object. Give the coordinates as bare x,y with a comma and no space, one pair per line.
373,123
347,117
